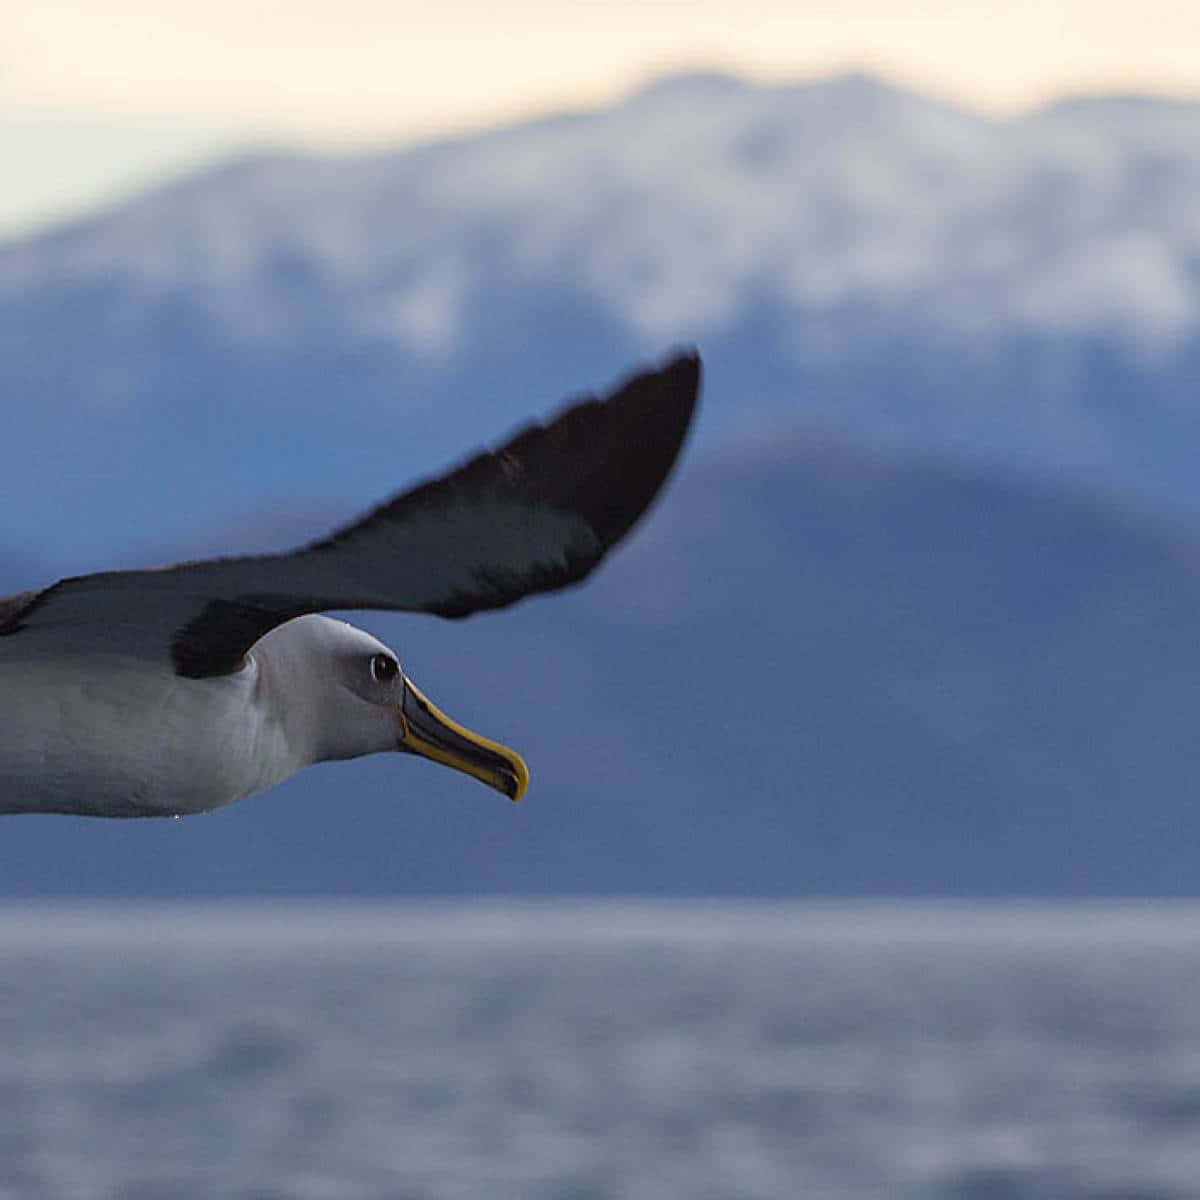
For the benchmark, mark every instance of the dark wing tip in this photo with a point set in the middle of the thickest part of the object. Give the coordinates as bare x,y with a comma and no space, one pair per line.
602,460
607,459
659,407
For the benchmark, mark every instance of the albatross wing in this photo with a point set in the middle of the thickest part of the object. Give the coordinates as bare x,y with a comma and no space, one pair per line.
534,515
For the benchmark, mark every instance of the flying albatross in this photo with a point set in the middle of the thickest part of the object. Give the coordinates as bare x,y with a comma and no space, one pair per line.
164,692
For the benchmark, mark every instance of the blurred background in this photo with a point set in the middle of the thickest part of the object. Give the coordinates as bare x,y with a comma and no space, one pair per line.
915,618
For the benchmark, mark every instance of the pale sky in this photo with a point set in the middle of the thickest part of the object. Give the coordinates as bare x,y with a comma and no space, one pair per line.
97,97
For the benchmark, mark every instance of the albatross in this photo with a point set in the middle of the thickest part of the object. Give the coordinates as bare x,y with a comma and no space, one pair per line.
165,692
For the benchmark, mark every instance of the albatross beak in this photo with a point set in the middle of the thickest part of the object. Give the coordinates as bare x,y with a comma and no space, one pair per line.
427,731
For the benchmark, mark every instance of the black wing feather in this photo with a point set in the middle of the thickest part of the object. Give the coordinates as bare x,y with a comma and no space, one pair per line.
534,515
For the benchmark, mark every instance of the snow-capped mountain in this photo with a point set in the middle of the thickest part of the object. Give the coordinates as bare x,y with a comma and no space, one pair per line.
851,258
682,207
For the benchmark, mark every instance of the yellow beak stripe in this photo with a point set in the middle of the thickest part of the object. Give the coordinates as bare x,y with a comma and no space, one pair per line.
427,731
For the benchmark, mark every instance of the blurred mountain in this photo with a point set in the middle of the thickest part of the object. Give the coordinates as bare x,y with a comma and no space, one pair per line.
814,671
895,628
853,258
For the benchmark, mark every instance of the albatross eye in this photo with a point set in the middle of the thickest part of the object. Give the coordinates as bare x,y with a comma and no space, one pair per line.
384,667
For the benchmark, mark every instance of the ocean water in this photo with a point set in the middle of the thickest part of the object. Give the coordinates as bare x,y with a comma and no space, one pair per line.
563,1051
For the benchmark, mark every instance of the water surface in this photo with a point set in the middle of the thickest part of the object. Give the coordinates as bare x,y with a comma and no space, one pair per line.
646,1051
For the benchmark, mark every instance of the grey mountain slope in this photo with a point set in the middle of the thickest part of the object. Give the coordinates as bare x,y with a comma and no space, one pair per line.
814,672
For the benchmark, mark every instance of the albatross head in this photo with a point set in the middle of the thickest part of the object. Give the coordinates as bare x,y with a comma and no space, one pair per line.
340,693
